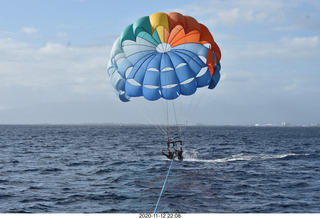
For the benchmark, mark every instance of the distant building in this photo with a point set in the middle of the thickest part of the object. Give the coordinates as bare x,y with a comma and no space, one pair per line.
285,124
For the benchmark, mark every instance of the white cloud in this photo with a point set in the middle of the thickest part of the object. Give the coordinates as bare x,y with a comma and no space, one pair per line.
285,49
61,34
234,13
301,42
54,71
4,108
290,87
29,30
54,49
276,15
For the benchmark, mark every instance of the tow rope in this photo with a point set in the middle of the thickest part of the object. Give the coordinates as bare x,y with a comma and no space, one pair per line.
164,185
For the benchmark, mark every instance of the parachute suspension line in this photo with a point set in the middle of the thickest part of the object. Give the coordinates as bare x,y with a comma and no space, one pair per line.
181,115
168,125
153,120
202,95
164,185
189,107
185,112
159,124
175,116
192,109
158,127
165,117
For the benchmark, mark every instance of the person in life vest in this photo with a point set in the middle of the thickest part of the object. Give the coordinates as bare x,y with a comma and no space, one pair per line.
179,153
176,153
169,155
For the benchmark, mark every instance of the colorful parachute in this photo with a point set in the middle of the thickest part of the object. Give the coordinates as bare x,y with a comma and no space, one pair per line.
163,56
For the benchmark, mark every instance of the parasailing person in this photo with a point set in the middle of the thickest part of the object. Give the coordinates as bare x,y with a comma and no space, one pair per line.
176,153
169,155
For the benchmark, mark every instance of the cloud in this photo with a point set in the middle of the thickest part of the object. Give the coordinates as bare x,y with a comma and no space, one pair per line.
302,42
53,72
29,30
55,49
61,34
273,15
236,13
286,49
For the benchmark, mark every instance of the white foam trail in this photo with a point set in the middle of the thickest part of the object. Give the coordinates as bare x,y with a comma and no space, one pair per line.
242,157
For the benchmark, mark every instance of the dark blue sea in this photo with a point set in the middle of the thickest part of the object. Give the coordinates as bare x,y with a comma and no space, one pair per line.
120,169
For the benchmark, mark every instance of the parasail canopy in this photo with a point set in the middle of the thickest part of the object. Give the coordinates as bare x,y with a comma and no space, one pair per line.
163,56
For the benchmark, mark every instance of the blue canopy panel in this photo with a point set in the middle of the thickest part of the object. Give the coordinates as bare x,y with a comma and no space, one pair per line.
122,95
138,71
155,62
182,68
130,47
133,88
111,69
170,88
135,78
151,92
170,92
189,87
152,77
203,77
215,77
151,82
130,62
133,52
184,73
196,48
168,78
119,86
123,66
165,62
116,56
160,80
196,65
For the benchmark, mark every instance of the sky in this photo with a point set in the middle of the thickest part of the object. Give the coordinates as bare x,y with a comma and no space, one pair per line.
54,53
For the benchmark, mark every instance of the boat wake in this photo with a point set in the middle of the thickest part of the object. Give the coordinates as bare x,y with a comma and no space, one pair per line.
239,157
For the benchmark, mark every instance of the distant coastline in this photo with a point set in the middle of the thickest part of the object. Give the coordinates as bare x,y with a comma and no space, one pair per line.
145,124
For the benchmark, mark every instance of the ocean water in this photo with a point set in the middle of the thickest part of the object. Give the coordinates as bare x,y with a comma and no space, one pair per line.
120,169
